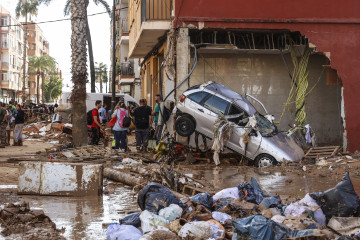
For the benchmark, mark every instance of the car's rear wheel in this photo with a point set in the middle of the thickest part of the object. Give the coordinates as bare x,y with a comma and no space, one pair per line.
264,161
185,126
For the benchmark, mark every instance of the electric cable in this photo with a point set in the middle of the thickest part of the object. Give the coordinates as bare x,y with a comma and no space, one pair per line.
58,20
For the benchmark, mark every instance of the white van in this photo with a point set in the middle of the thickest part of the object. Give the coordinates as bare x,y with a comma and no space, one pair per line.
104,97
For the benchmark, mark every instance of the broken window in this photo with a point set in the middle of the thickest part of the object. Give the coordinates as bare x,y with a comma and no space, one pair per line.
216,105
237,115
266,128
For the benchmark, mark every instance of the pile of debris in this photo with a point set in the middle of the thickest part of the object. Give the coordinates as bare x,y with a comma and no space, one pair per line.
20,222
242,212
51,131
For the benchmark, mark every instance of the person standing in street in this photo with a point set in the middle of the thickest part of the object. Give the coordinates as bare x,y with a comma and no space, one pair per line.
104,115
96,125
3,118
158,118
19,124
120,132
142,117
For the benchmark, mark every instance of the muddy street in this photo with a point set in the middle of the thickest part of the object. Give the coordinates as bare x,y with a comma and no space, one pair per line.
87,217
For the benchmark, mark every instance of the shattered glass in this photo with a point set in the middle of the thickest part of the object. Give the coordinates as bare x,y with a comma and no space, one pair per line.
266,128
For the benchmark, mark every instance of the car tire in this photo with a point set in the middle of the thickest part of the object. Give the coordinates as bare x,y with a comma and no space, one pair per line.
185,126
264,161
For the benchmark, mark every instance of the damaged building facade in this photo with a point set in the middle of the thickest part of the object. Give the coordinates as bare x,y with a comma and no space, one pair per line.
247,47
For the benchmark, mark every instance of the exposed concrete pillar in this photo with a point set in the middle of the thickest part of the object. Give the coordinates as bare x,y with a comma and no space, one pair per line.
182,59
182,66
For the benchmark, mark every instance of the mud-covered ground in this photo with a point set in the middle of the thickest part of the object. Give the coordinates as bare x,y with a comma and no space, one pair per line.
86,218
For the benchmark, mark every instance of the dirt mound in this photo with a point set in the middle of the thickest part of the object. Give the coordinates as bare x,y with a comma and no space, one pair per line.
19,221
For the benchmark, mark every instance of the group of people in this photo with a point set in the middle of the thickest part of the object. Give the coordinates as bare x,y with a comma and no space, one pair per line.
11,117
143,118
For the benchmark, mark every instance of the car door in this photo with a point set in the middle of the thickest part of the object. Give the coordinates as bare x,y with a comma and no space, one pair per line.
238,116
196,109
212,107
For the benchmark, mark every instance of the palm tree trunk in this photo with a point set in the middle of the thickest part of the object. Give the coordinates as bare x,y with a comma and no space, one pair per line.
37,87
79,70
91,57
24,61
42,87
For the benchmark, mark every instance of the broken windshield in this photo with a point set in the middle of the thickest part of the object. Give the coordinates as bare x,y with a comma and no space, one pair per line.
266,128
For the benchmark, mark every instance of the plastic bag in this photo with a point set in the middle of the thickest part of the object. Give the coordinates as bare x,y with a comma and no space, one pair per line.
306,204
151,221
226,193
221,217
171,212
251,192
116,231
132,219
340,201
218,231
204,199
270,202
258,227
200,229
155,196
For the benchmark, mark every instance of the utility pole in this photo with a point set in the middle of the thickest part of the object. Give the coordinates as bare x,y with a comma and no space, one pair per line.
24,56
113,59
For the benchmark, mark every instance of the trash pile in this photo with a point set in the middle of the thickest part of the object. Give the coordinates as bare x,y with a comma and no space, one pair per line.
20,222
242,212
51,131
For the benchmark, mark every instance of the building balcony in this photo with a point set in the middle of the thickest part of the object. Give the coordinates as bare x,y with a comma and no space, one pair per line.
127,69
150,21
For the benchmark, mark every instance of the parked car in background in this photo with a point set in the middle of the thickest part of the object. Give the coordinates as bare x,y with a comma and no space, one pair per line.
201,106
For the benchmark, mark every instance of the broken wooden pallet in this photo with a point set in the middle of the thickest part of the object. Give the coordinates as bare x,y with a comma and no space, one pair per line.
316,152
191,191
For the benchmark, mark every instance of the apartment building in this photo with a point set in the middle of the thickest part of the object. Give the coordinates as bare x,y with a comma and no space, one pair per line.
127,69
11,77
247,46
38,46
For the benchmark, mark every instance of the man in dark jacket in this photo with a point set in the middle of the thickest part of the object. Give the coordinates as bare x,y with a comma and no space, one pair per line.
143,118
19,124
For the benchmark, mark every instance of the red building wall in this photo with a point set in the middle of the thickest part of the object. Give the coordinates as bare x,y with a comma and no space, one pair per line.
332,26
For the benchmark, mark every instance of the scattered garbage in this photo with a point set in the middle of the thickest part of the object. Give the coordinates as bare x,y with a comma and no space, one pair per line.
171,212
204,199
340,201
221,217
132,219
155,196
116,231
306,205
345,226
200,229
151,221
258,227
227,193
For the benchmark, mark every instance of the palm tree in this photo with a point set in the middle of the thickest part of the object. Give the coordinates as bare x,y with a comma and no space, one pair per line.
100,70
41,65
26,8
88,38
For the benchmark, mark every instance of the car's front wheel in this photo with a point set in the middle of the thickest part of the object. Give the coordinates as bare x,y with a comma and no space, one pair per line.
264,161
185,126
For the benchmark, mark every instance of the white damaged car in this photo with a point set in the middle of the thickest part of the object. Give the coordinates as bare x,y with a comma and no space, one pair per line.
200,107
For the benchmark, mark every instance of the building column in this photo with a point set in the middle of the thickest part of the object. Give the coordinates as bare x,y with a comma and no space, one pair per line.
182,59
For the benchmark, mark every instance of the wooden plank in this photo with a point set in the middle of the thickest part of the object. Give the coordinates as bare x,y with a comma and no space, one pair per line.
19,159
315,152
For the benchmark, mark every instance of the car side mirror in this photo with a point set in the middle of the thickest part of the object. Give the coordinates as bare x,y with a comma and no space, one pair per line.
253,132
